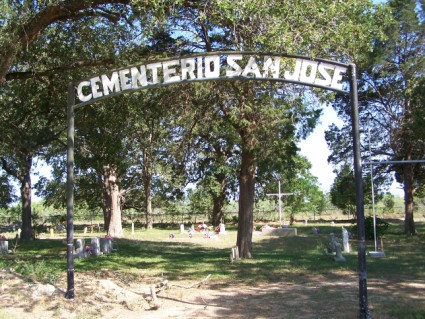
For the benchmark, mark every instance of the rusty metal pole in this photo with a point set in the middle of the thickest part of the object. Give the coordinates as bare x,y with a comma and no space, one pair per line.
70,193
363,301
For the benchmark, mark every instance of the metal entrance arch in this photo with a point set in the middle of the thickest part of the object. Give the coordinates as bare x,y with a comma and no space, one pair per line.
314,72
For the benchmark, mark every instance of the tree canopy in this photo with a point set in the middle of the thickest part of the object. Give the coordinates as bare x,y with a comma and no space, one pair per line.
260,122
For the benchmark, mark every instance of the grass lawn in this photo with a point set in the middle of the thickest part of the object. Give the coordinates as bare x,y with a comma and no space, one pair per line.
396,284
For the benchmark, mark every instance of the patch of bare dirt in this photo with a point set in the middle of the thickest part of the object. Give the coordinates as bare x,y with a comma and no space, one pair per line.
115,297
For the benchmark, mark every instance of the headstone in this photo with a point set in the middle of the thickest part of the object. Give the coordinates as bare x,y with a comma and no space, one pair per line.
345,240
95,246
4,247
234,254
52,233
335,246
132,229
338,257
222,229
85,230
283,232
181,228
106,245
19,232
80,250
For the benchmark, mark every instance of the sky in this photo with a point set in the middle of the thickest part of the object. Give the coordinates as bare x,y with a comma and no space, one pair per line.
317,152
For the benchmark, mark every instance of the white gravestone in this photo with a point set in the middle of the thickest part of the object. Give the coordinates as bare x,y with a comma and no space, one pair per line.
345,240
132,229
106,245
181,228
4,247
80,250
222,229
95,246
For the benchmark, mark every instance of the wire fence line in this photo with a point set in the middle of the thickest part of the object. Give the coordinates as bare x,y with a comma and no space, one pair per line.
260,215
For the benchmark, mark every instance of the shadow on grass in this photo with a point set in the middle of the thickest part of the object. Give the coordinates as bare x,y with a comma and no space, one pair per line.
287,278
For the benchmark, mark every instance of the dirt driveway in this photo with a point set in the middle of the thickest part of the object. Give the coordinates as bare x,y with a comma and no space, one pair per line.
113,297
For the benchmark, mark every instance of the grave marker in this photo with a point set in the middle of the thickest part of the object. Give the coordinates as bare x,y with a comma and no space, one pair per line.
106,245
345,240
4,247
95,246
222,229
80,250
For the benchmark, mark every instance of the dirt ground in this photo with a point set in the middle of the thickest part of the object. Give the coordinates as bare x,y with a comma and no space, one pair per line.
110,297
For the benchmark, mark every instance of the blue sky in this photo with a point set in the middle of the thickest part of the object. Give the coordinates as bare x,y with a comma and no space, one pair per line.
317,152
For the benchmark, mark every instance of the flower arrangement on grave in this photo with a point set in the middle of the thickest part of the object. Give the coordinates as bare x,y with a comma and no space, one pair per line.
89,250
217,230
2,237
108,236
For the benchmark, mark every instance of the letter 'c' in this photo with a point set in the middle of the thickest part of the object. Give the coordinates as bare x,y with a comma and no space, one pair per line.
81,96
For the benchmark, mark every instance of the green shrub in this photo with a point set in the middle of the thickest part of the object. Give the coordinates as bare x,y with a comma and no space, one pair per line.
381,227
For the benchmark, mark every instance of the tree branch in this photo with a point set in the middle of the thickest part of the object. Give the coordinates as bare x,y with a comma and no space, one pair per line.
73,65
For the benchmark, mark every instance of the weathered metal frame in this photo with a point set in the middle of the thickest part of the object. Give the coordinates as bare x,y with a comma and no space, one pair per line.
352,80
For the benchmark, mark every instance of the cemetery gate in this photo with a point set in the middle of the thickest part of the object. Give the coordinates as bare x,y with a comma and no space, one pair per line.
232,65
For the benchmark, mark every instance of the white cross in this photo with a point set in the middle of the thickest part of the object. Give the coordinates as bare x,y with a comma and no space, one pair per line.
280,202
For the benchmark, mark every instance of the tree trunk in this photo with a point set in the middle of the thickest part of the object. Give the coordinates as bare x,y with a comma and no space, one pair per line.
148,202
113,202
106,207
219,200
26,233
147,185
408,175
246,204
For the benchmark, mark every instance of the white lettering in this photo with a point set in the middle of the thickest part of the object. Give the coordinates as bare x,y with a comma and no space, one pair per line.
95,87
269,66
188,68
214,72
296,75
325,78
138,77
124,79
80,94
308,71
301,70
169,73
236,69
112,84
200,74
252,67
154,67
337,77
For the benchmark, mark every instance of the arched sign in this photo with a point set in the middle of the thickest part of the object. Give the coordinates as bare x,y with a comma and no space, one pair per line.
215,66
